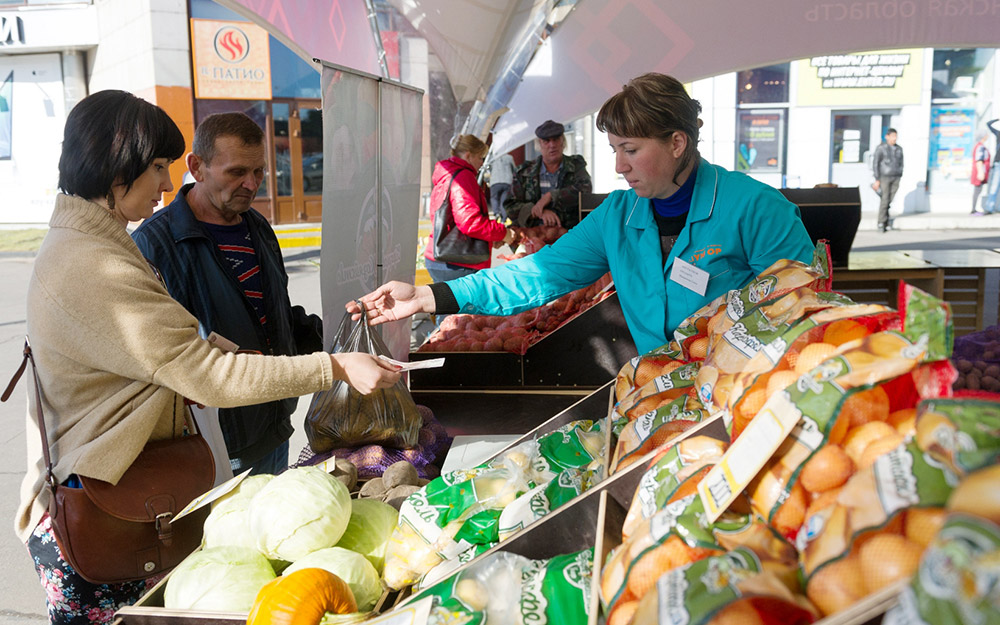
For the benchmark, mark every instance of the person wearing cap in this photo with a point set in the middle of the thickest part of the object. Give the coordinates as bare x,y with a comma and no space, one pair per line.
684,233
547,189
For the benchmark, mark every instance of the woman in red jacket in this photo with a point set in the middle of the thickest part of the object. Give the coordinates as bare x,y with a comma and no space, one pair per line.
457,176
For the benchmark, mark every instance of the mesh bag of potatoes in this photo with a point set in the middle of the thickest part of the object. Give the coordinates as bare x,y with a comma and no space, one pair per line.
508,589
461,510
343,417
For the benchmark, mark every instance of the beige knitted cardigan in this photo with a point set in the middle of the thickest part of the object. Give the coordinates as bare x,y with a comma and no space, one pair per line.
116,355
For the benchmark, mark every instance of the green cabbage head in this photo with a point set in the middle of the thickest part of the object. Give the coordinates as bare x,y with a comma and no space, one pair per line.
225,579
369,530
349,566
298,512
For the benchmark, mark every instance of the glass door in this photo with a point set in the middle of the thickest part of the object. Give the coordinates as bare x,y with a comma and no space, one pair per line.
298,160
855,136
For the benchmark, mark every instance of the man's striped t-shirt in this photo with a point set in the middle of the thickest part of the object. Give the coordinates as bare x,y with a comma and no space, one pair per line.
237,247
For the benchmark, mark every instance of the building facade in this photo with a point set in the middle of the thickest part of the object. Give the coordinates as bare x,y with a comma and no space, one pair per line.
818,121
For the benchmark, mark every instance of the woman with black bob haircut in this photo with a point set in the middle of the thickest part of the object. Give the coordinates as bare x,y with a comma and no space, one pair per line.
679,210
116,355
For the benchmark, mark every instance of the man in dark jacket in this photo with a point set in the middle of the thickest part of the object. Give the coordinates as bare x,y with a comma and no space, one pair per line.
547,189
221,260
887,165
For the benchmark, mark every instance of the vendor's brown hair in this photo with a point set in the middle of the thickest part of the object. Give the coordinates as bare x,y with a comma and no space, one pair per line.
471,144
653,106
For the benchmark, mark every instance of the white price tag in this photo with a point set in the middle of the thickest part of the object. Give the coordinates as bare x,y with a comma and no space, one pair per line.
211,495
689,276
433,363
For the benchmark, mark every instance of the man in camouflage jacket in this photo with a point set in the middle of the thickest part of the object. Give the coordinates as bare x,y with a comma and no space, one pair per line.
547,189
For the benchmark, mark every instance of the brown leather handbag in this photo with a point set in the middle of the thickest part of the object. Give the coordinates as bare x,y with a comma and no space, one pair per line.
114,533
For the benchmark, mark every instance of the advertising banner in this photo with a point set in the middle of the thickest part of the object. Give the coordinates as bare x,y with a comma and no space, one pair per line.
400,136
371,193
349,255
232,60
875,78
760,140
949,156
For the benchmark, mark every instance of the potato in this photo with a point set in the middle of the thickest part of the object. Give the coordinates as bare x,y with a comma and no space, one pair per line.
374,489
401,473
396,496
347,473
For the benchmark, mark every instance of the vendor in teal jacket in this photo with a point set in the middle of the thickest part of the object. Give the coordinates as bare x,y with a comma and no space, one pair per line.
684,233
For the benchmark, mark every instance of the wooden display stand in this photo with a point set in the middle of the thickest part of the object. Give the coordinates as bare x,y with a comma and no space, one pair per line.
584,352
505,393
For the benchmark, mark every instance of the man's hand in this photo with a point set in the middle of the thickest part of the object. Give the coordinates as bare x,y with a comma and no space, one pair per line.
877,185
364,372
550,218
393,301
545,200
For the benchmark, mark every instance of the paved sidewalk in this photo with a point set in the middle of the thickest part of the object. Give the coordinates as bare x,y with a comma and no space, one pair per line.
933,221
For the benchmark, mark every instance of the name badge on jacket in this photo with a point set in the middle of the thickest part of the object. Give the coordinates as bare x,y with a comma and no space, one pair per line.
689,276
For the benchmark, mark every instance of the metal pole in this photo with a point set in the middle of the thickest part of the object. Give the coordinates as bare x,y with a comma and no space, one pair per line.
377,35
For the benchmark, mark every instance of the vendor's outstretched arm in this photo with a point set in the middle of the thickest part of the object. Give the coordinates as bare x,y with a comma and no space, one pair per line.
398,300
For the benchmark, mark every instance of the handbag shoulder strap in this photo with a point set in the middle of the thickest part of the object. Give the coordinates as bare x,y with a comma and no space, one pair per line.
49,475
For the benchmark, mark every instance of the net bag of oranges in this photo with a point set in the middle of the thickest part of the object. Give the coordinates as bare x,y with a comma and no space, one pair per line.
656,428
846,400
871,535
735,588
956,579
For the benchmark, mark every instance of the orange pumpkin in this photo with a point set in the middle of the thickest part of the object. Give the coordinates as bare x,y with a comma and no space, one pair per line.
301,598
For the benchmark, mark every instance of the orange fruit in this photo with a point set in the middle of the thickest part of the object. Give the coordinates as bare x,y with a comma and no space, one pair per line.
752,402
699,348
780,380
860,437
922,524
905,421
886,559
838,431
673,553
738,613
813,354
789,517
828,468
836,586
670,366
822,500
865,406
790,360
714,322
877,448
623,612
701,324
840,332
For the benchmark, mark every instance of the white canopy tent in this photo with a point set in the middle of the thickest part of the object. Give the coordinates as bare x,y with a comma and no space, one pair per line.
598,45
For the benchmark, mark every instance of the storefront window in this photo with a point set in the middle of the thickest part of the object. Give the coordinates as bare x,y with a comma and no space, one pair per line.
959,73
763,85
291,77
282,149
